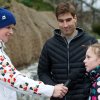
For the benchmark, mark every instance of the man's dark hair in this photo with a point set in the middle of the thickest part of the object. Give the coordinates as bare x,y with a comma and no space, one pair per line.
65,7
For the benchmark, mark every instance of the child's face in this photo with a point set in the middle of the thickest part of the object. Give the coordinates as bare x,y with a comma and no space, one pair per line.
6,32
92,60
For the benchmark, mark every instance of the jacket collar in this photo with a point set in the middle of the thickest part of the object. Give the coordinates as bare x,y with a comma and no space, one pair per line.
2,45
95,73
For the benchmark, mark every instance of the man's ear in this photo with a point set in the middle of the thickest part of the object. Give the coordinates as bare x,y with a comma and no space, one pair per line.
75,17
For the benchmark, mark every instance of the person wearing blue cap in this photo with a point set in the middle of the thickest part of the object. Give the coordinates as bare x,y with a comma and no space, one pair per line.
10,78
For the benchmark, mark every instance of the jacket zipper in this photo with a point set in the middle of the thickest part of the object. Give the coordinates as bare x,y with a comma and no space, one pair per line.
67,44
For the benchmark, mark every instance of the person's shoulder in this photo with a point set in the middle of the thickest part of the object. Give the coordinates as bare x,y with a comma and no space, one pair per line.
89,35
48,41
52,37
85,33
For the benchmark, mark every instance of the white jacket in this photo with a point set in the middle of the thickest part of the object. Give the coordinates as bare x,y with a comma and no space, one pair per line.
6,93
12,80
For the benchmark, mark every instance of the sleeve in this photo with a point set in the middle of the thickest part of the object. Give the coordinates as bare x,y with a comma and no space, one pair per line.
44,67
75,77
12,77
96,89
94,40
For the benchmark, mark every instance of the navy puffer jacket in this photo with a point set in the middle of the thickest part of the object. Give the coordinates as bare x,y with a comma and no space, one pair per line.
58,59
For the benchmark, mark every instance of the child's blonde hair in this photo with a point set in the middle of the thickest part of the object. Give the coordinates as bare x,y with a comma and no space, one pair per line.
96,48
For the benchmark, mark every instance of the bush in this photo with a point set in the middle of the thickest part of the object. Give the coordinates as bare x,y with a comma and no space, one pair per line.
96,28
28,3
37,4
5,3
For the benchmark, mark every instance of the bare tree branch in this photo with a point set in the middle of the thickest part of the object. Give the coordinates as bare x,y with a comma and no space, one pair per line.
91,6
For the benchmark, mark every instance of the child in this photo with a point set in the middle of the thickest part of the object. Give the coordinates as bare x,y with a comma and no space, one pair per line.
10,78
92,63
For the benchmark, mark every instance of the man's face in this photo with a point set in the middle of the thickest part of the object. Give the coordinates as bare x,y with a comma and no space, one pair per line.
67,24
6,32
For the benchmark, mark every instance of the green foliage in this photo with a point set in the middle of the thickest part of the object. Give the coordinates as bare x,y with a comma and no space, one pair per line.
37,4
1,2
96,28
43,6
5,3
28,3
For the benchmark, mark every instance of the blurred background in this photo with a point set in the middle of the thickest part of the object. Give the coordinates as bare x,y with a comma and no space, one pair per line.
35,24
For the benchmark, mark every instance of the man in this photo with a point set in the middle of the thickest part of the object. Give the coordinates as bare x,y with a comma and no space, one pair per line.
63,54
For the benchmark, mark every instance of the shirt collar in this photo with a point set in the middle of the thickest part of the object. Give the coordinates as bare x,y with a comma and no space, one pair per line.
2,45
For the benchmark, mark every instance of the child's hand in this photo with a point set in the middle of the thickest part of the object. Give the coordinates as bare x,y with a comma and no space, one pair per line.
60,90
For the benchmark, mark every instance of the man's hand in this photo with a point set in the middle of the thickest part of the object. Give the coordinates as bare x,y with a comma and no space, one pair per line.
60,90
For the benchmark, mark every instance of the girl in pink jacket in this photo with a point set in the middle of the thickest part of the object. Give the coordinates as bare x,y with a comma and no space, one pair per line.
92,63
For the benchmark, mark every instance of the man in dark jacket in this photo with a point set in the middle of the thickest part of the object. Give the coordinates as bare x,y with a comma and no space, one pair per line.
63,55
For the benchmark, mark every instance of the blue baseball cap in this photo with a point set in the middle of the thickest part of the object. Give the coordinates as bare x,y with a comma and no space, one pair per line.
6,18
